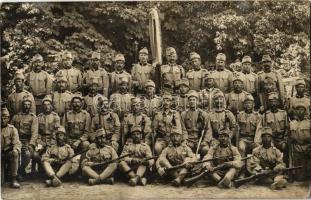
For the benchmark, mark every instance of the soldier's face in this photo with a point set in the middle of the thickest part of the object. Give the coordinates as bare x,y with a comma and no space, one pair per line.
37,65
274,103
237,85
183,89
123,87
219,102
220,64
268,87
247,67
223,139
136,137
150,91
196,62
61,85
19,83
266,139
172,57
192,102
101,140
176,139
76,104
248,105
4,120
136,107
47,106
119,65
300,89
300,112
105,106
67,62
26,106
143,58
95,63
93,88
60,139
267,65
167,103
210,83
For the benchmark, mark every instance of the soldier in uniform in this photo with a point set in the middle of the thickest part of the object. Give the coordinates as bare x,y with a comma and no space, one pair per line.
136,164
16,97
171,73
99,152
119,75
56,160
206,95
182,99
151,102
194,123
61,97
229,166
222,76
299,98
175,153
236,98
250,78
142,71
26,123
267,157
197,73
269,86
136,119
77,123
39,81
109,121
10,148
268,72
301,143
72,74
91,98
162,124
96,72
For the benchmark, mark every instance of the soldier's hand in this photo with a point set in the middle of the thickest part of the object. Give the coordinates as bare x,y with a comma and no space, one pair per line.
136,161
189,165
76,144
161,171
265,171
90,163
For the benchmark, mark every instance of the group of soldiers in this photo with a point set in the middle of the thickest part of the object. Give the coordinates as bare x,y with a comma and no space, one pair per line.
225,123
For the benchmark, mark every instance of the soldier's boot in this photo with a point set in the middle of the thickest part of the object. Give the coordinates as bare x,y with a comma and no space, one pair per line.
48,182
109,181
14,182
140,173
176,182
216,177
94,181
142,181
226,181
56,181
181,175
279,183
133,178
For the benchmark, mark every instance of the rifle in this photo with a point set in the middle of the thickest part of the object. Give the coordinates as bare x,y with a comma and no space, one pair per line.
237,136
239,182
193,179
112,161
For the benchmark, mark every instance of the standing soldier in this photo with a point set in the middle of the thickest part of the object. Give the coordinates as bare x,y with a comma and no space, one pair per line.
182,99
194,123
151,102
269,87
16,97
250,78
301,143
162,124
96,72
77,123
142,71
229,166
10,148
197,73
91,98
206,95
26,123
139,151
222,76
107,120
268,72
73,75
39,81
171,73
119,75
99,152
267,157
176,153
136,119
56,160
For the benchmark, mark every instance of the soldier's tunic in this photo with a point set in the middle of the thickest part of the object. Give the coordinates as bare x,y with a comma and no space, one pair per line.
206,98
296,100
223,80
196,78
40,83
48,123
151,105
91,103
142,73
235,100
74,78
250,82
117,77
61,102
171,74
140,151
102,78
121,103
140,120
15,102
218,121
301,147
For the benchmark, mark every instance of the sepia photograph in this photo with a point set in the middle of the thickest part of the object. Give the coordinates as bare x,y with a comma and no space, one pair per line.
155,100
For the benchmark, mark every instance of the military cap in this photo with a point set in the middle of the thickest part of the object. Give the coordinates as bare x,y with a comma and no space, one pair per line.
27,98
238,78
95,54
266,131
66,54
5,112
170,50
136,129
249,98
119,57
37,57
266,58
100,132
208,76
144,51
225,131
47,98
175,130
77,95
167,96
94,80
300,81
183,81
218,94
149,83
135,101
60,76
194,55
60,129
123,81
221,56
246,59
300,104
19,75
273,96
192,93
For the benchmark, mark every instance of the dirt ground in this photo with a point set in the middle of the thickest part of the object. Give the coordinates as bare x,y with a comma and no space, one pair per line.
76,190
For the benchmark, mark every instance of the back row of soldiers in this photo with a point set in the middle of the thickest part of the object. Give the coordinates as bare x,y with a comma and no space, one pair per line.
199,114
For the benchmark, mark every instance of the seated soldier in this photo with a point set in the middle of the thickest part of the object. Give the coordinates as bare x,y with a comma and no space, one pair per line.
56,160
176,153
138,161
92,166
10,148
267,157
227,167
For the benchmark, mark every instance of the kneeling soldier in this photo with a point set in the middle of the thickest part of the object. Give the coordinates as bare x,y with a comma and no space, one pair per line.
140,159
93,166
176,153
56,160
265,158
